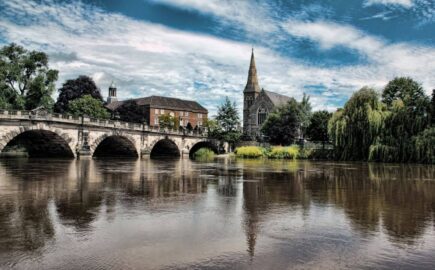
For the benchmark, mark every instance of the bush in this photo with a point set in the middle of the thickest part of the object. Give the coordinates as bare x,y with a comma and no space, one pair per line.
249,152
279,152
204,154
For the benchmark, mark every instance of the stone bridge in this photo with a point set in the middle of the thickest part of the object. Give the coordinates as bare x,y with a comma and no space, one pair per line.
57,135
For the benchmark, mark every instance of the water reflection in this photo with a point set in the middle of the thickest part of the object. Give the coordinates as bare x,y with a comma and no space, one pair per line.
232,214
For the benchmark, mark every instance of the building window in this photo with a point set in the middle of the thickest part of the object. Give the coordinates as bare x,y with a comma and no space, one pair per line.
199,115
156,111
200,123
262,115
181,123
156,120
171,114
181,113
162,111
186,113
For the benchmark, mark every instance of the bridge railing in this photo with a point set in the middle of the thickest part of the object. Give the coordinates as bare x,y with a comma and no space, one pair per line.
88,121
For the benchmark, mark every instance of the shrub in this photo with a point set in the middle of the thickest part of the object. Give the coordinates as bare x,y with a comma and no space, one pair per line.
249,152
280,152
204,154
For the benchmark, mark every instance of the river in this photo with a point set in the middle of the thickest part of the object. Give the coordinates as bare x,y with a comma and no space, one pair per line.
222,214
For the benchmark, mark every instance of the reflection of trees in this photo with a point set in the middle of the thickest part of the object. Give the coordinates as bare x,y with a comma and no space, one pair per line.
400,196
25,222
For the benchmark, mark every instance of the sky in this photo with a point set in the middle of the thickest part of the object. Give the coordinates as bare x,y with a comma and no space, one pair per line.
200,49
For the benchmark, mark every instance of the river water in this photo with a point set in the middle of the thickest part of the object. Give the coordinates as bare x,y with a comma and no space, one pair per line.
225,214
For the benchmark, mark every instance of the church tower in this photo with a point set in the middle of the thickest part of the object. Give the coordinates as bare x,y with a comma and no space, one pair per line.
252,90
112,93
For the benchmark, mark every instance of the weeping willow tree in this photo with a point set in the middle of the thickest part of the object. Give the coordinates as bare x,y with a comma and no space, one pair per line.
354,128
409,116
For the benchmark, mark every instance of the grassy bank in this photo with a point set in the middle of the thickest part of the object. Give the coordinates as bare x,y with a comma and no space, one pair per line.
282,152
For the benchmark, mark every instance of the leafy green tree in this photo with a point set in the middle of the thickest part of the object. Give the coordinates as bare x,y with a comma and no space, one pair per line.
130,111
305,114
26,82
229,122
167,121
407,90
433,107
318,128
282,125
76,88
356,127
88,106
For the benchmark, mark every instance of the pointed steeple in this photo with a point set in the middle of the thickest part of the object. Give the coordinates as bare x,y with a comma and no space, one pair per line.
252,84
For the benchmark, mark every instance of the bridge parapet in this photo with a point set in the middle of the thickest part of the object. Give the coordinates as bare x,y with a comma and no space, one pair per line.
93,122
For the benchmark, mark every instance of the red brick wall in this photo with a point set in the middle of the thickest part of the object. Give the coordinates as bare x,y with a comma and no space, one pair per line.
192,117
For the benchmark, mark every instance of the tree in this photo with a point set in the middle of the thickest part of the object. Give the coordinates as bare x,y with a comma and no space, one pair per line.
433,108
283,124
130,111
407,90
355,128
76,88
88,106
167,121
305,114
26,82
318,128
228,121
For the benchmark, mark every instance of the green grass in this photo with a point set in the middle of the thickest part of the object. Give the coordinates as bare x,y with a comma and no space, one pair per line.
280,152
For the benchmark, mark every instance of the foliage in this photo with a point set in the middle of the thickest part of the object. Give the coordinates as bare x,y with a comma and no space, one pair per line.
213,129
204,154
130,111
226,124
76,88
424,145
305,114
433,108
356,127
88,106
249,152
279,152
26,82
167,121
318,128
406,89
282,125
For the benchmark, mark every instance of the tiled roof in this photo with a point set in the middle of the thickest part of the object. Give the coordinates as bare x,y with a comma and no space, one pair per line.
164,103
277,99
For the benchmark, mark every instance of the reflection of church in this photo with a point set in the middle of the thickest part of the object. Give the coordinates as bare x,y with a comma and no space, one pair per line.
257,103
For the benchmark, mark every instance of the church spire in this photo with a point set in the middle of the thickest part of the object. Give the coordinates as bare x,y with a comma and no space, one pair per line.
252,84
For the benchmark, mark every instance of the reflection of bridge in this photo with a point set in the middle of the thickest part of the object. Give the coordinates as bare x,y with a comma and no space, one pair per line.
56,135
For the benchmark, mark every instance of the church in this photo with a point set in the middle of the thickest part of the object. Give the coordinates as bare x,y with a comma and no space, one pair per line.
257,103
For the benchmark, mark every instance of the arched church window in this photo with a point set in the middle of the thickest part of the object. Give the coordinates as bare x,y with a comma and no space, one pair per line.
262,115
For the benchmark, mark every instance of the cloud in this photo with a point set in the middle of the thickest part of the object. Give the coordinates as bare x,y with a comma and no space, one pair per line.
404,3
145,58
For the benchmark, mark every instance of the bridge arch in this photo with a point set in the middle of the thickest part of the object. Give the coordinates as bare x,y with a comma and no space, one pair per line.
203,144
165,148
38,141
114,145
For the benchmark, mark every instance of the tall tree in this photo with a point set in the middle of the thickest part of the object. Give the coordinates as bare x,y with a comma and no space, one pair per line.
76,88
354,128
88,106
407,90
26,81
433,107
229,122
305,114
282,125
318,128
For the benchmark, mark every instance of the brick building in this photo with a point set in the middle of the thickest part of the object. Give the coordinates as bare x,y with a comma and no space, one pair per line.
184,111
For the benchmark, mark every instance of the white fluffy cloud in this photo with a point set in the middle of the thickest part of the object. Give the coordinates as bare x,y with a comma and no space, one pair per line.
404,3
145,58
